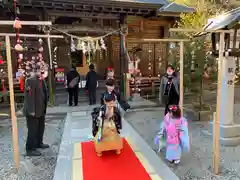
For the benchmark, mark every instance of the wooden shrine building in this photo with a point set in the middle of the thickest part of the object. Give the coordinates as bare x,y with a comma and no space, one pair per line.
144,19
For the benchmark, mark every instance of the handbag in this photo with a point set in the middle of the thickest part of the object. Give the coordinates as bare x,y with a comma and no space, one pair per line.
74,82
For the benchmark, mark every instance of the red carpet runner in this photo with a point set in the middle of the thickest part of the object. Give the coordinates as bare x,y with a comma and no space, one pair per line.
110,166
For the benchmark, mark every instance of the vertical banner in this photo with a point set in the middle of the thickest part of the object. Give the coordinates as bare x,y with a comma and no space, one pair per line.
59,75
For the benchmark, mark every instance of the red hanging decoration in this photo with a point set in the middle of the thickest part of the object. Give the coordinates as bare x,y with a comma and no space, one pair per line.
21,84
1,60
18,47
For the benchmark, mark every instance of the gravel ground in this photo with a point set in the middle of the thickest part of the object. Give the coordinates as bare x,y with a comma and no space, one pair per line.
197,164
36,168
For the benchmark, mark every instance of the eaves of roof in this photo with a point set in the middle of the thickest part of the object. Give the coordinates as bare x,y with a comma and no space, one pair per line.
222,21
176,8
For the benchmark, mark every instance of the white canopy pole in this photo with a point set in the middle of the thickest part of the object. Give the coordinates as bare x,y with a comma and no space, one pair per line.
32,35
28,23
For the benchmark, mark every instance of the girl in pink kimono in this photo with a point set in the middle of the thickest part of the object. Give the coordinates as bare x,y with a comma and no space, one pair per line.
173,135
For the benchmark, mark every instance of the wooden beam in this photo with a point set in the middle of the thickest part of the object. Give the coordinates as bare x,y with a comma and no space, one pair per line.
199,30
157,40
77,14
80,28
28,23
32,35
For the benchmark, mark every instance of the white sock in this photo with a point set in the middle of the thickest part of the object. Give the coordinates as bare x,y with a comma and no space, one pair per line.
176,161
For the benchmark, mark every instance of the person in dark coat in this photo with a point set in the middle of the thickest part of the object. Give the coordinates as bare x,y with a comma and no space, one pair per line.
169,89
91,84
73,79
35,106
110,89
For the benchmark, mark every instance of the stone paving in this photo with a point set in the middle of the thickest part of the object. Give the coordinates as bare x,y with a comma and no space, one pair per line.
78,128
197,164
36,168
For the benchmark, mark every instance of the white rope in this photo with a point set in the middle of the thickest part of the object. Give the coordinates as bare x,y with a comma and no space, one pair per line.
87,38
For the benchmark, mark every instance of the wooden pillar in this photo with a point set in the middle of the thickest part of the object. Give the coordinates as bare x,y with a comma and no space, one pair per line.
123,65
181,74
166,35
46,56
109,51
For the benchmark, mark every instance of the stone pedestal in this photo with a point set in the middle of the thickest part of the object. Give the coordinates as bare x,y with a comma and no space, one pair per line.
229,127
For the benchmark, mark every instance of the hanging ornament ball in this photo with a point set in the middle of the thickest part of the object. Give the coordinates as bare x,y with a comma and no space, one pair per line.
18,48
17,24
20,56
1,61
40,49
19,60
40,41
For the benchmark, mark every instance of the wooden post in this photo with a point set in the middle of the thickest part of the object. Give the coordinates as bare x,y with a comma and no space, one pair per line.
50,76
153,88
218,113
127,86
12,105
122,58
181,74
214,141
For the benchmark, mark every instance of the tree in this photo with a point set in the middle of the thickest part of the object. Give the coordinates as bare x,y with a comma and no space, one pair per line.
195,56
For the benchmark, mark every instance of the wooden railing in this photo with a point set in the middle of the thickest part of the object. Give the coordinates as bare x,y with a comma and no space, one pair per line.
149,87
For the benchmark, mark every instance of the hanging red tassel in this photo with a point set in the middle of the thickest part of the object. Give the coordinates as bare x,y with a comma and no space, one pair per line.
15,5
21,84
1,60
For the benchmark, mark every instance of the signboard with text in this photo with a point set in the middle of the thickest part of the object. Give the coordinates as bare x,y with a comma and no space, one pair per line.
59,75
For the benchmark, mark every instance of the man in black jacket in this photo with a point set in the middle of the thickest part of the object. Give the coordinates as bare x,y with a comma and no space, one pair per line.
73,79
91,84
35,105
169,89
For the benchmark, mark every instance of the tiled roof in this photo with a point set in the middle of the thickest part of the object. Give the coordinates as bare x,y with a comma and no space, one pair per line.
221,21
174,7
